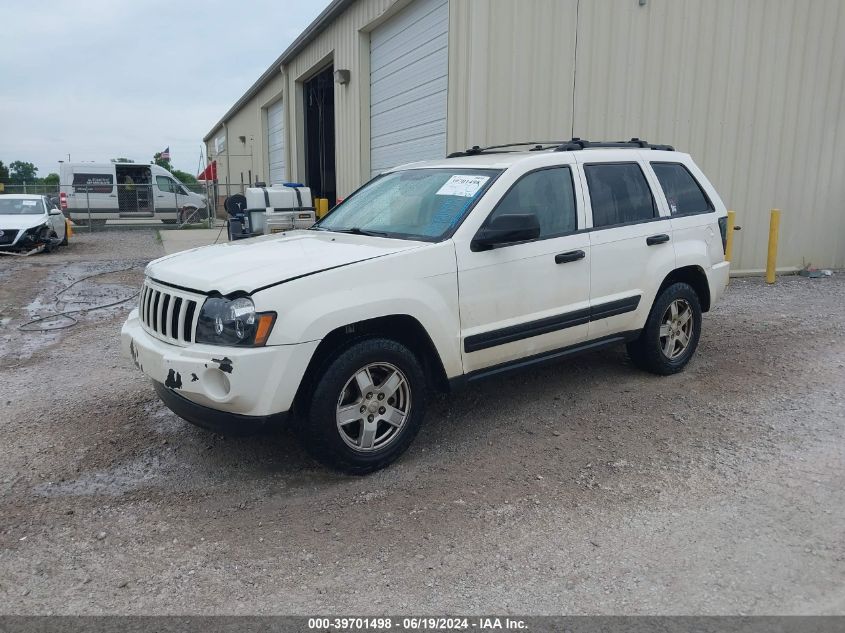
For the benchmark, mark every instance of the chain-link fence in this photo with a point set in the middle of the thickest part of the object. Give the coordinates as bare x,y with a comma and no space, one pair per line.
95,201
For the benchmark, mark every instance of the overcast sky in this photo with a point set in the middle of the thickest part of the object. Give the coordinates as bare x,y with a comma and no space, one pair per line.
98,79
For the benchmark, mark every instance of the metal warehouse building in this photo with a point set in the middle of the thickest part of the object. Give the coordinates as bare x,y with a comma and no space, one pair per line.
753,89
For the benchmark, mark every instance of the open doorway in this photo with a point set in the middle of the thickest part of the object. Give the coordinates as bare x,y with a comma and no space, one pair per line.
134,190
319,135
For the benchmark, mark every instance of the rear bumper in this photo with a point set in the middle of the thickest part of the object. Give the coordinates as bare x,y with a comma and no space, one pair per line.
214,420
717,279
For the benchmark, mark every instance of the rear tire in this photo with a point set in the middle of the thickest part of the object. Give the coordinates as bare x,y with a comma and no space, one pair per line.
366,407
671,333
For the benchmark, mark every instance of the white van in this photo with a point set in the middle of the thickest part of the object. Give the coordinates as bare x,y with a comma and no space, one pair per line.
120,191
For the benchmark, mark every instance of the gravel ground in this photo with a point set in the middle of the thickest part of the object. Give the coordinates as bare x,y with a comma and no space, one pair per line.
589,487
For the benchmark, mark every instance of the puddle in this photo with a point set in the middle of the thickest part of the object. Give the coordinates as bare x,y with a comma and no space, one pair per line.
69,287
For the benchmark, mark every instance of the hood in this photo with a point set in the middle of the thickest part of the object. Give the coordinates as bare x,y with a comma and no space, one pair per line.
252,264
21,222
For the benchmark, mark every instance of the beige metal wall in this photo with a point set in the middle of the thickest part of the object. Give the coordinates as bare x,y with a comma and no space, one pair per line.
346,44
753,89
511,71
250,122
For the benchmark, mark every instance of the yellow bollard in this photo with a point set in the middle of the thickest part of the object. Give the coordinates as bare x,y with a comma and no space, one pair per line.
729,242
68,228
771,261
322,207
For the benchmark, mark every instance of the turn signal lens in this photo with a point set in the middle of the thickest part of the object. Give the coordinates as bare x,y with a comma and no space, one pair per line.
265,326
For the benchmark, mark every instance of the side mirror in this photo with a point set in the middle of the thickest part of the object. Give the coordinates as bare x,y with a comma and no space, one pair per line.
55,211
505,229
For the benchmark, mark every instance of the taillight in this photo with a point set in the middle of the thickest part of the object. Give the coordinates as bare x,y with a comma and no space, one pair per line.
723,229
63,200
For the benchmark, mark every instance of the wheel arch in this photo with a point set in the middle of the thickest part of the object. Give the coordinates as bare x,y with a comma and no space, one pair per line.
695,277
403,328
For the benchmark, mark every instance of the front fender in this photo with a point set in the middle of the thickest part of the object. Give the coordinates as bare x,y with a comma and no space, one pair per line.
421,283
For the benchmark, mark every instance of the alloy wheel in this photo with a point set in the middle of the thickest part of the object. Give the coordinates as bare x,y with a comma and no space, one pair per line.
676,329
373,406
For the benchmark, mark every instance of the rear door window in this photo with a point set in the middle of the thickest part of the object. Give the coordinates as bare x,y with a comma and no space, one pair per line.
683,193
619,194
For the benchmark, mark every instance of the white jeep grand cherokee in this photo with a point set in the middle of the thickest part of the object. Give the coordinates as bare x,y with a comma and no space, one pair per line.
430,276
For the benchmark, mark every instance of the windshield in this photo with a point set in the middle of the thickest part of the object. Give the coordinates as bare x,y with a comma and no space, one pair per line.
412,204
18,206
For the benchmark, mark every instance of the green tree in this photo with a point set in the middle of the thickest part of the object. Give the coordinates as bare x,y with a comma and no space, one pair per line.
183,176
21,171
4,173
122,160
51,179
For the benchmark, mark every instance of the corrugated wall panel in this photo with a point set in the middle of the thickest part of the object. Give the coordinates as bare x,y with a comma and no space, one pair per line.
346,42
276,143
753,90
250,122
511,67
409,65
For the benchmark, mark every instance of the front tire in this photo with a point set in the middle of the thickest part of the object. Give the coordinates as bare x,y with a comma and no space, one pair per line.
188,215
367,406
671,333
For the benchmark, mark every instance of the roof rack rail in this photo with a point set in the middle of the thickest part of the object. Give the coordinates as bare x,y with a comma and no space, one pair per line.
576,144
475,149
571,145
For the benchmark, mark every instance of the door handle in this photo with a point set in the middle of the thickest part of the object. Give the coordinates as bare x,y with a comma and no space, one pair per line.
571,256
657,239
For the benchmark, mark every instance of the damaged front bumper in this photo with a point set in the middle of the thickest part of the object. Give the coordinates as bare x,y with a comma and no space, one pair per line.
227,389
24,242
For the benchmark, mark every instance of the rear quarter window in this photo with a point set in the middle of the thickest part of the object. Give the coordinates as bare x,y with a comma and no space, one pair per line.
683,193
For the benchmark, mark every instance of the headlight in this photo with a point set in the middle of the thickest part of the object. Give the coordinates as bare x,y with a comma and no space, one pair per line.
233,322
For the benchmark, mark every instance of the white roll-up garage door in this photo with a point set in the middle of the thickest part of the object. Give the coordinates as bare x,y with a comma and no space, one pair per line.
409,68
276,143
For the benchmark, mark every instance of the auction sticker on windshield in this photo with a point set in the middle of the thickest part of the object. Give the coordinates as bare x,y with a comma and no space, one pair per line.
462,185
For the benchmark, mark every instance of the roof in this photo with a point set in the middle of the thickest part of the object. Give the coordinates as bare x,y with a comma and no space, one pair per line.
23,196
335,8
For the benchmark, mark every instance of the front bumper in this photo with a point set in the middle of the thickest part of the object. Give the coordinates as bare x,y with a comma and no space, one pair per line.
22,240
214,420
256,382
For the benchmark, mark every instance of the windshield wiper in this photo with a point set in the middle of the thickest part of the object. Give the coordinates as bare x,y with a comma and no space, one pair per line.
359,231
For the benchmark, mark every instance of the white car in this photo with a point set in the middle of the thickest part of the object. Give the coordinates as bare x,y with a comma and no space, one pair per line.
431,276
29,221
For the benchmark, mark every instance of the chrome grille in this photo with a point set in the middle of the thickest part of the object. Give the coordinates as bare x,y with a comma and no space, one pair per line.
169,314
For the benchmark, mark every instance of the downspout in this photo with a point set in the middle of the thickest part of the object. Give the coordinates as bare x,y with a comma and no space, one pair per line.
228,160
